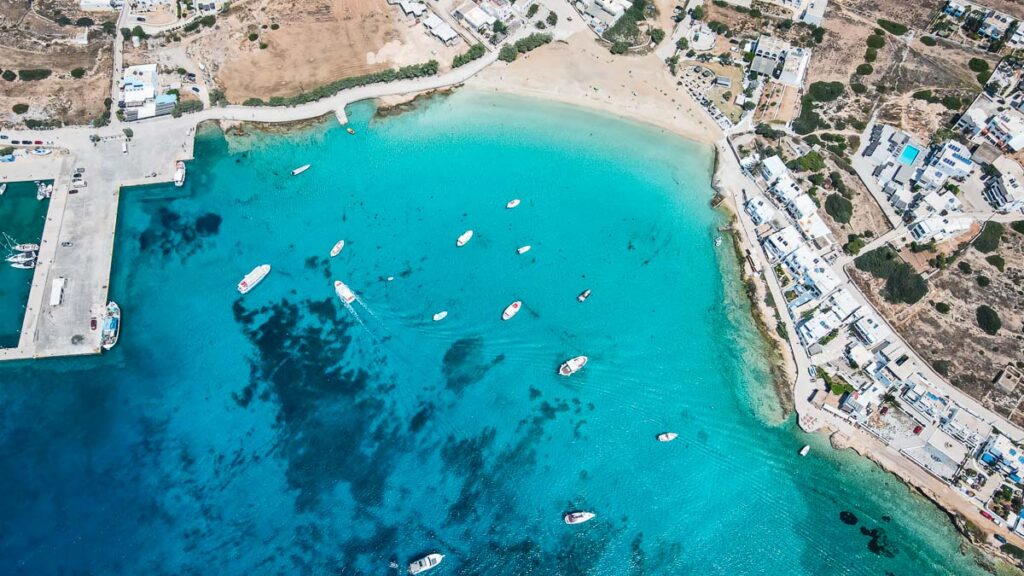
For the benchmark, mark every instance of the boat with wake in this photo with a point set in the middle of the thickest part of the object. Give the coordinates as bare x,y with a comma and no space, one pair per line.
253,278
578,517
584,295
572,365
3,188
464,238
511,310
337,248
426,563
179,173
300,169
111,326
440,315
667,436
344,292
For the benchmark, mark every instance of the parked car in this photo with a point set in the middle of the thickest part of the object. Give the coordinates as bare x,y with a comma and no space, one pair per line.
884,410
195,89
986,514
918,429
1000,538
39,141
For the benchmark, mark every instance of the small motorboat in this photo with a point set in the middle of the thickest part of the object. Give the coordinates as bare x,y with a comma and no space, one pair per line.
512,203
584,295
440,315
466,236
718,240
26,247
390,278
3,188
350,131
523,249
511,310
300,169
179,173
337,248
667,436
572,365
24,265
805,450
250,280
426,563
111,326
578,517
344,292
22,257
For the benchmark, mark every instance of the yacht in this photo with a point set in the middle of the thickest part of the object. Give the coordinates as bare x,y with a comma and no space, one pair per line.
466,236
572,365
253,278
805,450
584,295
511,310
523,249
512,203
24,265
300,169
337,248
440,315
667,436
26,247
426,563
111,326
40,191
22,257
344,292
578,517
179,173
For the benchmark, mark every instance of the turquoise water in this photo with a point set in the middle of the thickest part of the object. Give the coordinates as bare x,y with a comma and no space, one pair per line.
909,154
281,432
21,218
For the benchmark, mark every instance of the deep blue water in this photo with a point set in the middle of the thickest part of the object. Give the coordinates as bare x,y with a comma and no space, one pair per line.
282,432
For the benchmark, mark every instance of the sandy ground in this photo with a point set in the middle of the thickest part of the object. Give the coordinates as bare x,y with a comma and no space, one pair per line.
581,72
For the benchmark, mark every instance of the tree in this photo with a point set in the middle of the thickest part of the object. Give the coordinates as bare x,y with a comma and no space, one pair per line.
619,47
128,133
126,33
988,240
84,22
139,33
552,18
697,13
532,11
875,42
657,35
977,65
9,75
865,70
942,307
839,208
253,37
78,73
33,74
893,28
20,108
928,41
499,27
508,52
988,320
682,44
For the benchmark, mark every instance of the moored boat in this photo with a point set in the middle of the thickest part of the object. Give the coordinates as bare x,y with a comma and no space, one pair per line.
572,365
350,131
24,265
426,563
718,240
523,249
179,173
511,310
300,169
465,237
578,517
584,295
253,278
512,203
111,326
22,257
3,188
805,450
344,292
440,315
337,248
26,247
667,436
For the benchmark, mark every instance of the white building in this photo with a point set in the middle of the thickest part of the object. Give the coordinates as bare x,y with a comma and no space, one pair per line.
1006,130
870,329
440,29
814,13
951,160
1006,192
759,209
801,206
773,168
782,243
794,66
415,9
786,189
138,84
821,324
939,203
811,270
939,228
474,17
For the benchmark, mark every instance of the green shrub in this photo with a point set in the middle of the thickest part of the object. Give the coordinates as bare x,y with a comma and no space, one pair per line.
253,37
263,45
532,42
964,267
989,238
619,47
19,108
1017,226
905,285
810,162
942,307
552,19
977,65
657,35
983,77
508,52
982,281
475,52
858,88
928,41
33,74
84,22
875,42
839,208
988,320
390,75
186,107
951,102
825,91
1012,550
870,55
534,8
274,26
626,28
997,261
78,73
880,262
893,28
854,245
208,20
865,70
9,75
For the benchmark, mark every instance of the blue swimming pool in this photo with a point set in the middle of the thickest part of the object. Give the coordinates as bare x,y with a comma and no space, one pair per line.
909,154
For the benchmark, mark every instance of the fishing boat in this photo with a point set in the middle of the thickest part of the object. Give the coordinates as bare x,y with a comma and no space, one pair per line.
300,169
179,173
440,315
512,203
805,450
584,295
24,265
22,257
466,236
578,517
426,563
337,248
111,326
523,249
253,278
511,310
667,436
344,292
26,247
350,131
572,365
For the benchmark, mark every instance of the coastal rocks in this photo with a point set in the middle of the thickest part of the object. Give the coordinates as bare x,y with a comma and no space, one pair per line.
839,440
848,518
880,543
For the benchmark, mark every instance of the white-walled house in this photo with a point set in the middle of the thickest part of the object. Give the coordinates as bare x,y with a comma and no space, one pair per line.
951,160
782,243
1006,191
772,169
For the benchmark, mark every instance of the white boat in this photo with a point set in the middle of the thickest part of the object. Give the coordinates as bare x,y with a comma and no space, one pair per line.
22,257
253,278
512,203
111,326
26,247
179,173
718,240
572,365
584,295
300,169
511,310
440,315
40,191
426,563
578,517
344,292
523,249
3,188
805,450
24,265
466,236
667,436
337,248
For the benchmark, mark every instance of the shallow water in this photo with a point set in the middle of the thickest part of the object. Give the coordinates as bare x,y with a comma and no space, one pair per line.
283,432
21,219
